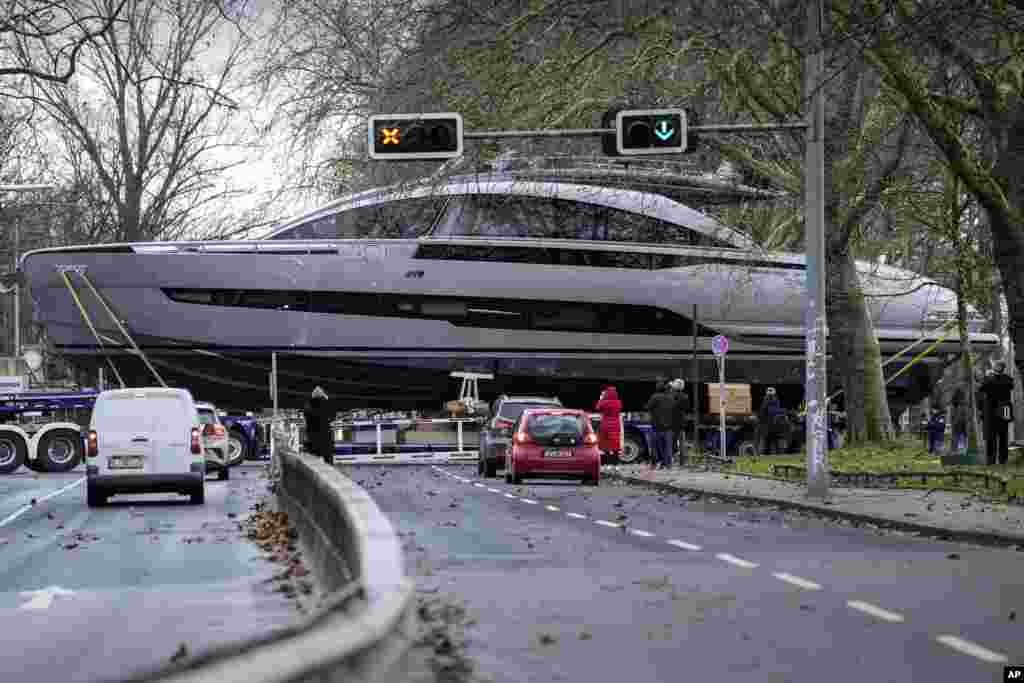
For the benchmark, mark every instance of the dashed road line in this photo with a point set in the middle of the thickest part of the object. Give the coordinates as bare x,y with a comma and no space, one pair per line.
604,522
478,484
494,490
553,508
682,544
972,649
18,513
509,495
527,500
638,532
737,561
797,581
868,608
576,515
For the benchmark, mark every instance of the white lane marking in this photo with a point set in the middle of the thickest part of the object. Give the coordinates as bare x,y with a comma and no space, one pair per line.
682,544
527,500
18,513
43,598
553,508
480,485
739,562
638,532
463,480
972,649
494,490
797,581
509,495
868,608
607,523
576,515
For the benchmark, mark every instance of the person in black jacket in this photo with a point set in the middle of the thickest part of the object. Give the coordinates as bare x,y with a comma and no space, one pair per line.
678,387
997,392
662,406
319,414
772,423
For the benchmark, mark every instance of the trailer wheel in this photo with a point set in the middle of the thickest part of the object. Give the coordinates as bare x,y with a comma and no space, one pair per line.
13,452
238,448
631,450
59,451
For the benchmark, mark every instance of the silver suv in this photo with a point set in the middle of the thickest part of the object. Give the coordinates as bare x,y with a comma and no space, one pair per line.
497,433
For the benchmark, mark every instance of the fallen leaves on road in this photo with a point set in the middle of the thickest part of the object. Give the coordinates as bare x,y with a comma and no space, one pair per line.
32,502
70,546
546,638
50,515
180,653
953,556
193,539
585,635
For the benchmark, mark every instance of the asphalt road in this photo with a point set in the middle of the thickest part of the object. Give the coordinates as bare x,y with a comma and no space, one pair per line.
693,589
133,580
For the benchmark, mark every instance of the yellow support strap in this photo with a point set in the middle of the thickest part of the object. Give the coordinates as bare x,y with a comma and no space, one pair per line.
88,321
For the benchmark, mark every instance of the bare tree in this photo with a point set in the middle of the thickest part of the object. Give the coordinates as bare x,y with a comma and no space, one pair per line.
147,111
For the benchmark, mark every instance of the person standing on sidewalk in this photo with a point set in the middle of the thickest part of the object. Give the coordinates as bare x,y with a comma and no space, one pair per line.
772,422
609,436
319,414
661,406
997,390
678,387
936,431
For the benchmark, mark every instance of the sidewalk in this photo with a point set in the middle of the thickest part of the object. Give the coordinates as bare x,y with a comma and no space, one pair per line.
959,516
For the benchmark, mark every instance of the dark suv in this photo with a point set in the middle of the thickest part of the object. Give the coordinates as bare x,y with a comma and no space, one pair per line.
496,436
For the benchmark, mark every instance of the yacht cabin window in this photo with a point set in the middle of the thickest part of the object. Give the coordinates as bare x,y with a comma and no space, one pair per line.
402,218
510,216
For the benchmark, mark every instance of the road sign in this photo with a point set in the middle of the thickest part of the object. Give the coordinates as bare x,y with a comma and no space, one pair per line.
650,131
415,136
720,345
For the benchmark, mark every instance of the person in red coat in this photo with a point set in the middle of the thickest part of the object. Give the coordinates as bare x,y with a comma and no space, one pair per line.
609,436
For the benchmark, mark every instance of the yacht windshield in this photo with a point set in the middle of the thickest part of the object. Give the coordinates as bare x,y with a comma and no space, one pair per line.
505,216
401,218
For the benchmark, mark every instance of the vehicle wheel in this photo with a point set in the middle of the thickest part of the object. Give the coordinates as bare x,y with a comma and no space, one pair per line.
59,451
591,481
238,448
198,496
480,466
748,449
224,474
632,450
13,452
490,469
93,498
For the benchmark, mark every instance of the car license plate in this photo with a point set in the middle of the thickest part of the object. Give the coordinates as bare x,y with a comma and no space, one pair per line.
558,453
125,462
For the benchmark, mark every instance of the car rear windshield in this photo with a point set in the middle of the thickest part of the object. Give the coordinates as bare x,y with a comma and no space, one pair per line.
152,413
551,424
512,411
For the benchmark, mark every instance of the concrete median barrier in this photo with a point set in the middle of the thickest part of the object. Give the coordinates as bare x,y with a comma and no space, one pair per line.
365,623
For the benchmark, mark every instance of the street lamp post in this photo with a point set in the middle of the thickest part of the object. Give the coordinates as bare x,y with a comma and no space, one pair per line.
16,351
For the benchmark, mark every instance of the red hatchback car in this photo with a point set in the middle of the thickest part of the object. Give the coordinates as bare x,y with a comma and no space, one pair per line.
553,442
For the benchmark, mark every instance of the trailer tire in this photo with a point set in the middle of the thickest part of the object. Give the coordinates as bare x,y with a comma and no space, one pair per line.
93,497
632,450
13,452
59,451
238,448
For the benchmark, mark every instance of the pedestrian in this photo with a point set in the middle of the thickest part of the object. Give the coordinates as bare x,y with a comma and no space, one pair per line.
997,391
319,414
682,407
959,414
661,405
936,430
772,422
609,434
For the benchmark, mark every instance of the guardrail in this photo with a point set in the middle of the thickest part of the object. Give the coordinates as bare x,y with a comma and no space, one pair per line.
365,624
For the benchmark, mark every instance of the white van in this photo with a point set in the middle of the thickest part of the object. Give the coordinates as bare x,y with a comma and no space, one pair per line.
144,441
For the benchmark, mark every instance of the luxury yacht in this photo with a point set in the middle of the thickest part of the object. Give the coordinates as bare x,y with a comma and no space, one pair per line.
539,274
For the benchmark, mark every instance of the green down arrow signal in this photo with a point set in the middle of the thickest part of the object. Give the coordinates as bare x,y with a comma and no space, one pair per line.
663,130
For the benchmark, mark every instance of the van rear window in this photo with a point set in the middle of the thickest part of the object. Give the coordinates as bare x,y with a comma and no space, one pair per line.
153,413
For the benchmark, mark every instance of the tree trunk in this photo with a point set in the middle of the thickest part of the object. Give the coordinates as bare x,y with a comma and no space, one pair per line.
856,355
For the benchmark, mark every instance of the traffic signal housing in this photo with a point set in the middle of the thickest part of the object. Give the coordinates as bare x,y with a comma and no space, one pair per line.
650,131
415,136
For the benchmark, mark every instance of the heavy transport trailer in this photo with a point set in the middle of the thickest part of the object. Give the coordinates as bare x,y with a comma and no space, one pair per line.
44,430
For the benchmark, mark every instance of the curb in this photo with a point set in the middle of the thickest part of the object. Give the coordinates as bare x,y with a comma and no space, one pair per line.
366,623
942,533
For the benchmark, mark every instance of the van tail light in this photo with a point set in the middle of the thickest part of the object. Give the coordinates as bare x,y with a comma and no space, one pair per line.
590,439
197,448
91,447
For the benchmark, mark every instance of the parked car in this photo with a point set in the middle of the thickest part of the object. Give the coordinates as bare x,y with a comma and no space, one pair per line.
145,440
215,441
553,442
496,435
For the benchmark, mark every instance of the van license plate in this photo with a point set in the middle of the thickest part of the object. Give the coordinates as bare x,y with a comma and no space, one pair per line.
125,462
558,453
